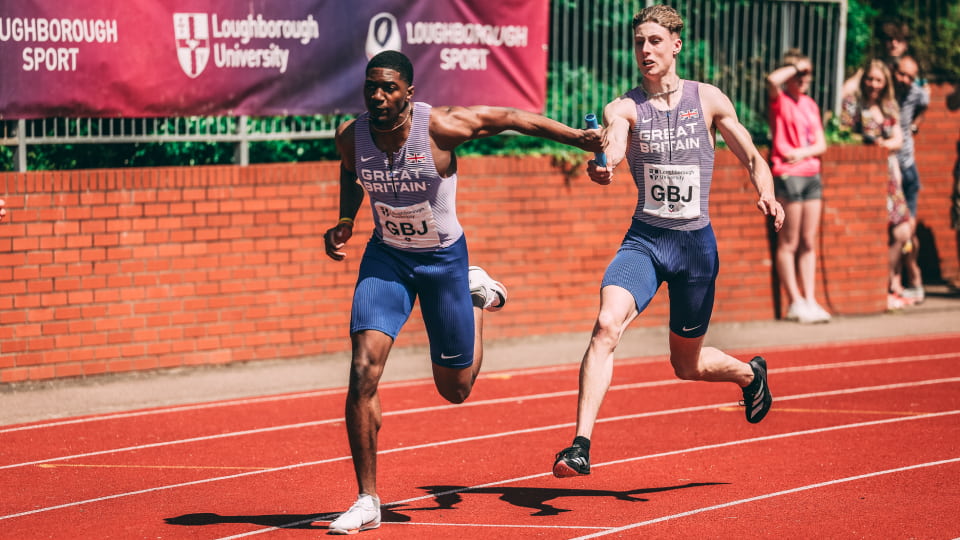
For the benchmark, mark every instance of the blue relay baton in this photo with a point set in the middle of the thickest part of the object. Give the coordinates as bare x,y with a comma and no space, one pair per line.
599,157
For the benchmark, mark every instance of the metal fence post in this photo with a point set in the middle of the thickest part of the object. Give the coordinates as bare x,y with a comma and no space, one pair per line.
20,154
242,156
841,57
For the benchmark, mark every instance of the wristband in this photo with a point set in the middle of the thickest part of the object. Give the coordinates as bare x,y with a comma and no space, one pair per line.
348,221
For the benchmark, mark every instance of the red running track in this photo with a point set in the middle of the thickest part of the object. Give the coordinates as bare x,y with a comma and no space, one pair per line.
862,442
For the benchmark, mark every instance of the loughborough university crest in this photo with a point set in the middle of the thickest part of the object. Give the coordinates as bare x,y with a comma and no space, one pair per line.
192,33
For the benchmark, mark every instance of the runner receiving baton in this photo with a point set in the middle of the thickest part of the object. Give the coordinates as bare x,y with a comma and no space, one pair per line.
665,128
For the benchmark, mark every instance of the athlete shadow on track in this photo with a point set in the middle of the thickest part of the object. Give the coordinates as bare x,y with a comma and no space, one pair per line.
447,497
281,521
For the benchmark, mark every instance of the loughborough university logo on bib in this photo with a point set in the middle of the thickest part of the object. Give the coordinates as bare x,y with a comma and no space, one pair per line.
192,32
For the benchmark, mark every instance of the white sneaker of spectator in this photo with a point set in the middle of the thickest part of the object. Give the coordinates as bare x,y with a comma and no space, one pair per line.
807,312
816,313
917,294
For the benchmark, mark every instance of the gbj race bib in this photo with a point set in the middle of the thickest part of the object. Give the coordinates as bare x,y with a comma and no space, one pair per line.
672,191
409,226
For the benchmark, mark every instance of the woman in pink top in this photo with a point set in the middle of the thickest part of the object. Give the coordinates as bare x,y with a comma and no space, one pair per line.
797,134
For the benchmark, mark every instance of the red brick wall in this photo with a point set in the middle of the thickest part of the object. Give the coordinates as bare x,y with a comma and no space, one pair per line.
936,147
123,270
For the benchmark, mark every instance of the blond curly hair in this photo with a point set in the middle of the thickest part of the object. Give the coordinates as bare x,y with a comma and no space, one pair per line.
665,16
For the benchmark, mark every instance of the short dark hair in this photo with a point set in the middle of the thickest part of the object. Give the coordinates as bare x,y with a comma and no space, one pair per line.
894,29
394,60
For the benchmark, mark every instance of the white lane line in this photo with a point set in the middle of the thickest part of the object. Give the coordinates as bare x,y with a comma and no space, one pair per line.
470,439
426,524
770,496
171,443
500,525
419,382
478,403
396,504
871,362
116,466
196,407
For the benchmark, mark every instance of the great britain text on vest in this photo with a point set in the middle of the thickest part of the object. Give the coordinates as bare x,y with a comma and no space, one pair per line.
682,137
392,182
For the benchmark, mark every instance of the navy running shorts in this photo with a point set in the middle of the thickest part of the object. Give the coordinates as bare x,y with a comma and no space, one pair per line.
390,280
798,188
686,260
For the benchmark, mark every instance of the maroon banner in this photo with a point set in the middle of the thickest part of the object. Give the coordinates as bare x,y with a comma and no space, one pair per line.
136,58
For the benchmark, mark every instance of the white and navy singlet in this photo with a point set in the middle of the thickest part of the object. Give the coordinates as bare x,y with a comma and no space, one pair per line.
414,208
671,159
670,238
418,249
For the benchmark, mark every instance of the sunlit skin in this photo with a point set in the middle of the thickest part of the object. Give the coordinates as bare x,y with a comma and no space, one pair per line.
907,71
874,83
800,83
655,48
386,97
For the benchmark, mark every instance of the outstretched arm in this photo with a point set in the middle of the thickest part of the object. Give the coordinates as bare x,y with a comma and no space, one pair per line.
453,126
619,117
351,195
721,115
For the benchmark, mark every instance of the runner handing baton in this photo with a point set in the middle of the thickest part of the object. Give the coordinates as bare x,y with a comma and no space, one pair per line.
401,153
